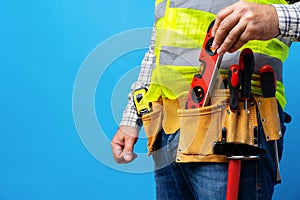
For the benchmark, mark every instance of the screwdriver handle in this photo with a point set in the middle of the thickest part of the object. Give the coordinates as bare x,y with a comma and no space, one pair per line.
234,80
246,63
268,81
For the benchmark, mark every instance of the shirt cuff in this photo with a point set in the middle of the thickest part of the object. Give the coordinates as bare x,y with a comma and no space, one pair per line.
289,20
131,119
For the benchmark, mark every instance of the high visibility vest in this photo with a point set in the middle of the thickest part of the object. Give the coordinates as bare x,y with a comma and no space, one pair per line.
181,26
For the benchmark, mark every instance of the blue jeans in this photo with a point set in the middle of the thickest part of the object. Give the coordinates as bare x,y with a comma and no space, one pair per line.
207,181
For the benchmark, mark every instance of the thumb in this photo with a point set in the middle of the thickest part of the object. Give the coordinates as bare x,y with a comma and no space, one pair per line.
128,150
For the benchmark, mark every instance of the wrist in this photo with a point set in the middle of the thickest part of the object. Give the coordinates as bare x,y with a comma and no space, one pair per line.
275,20
129,130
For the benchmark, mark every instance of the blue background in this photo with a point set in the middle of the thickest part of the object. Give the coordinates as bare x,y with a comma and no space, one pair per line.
42,46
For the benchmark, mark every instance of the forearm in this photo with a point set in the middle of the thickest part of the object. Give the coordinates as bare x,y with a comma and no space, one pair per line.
130,117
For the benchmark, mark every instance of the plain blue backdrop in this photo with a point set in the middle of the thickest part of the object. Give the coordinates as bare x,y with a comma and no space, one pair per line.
42,47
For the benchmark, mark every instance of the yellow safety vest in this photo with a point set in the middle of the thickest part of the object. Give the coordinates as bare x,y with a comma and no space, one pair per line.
181,26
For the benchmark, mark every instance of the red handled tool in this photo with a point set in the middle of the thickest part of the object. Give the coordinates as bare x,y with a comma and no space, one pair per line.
247,66
234,166
233,180
202,82
268,81
234,81
235,152
268,86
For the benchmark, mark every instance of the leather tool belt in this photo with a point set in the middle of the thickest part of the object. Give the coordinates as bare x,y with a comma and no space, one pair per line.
200,128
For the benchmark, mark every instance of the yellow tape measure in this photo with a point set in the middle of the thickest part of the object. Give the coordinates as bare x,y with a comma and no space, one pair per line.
138,95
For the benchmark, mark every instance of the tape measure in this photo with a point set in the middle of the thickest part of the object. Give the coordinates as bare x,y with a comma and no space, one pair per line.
138,95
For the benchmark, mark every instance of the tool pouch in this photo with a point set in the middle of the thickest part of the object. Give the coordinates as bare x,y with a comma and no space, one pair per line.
241,125
153,123
200,128
269,116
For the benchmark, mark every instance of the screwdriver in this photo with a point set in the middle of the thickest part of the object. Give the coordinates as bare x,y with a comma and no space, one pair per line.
268,86
247,67
268,81
234,165
234,80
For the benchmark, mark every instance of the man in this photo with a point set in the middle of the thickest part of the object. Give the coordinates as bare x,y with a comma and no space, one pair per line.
167,70
244,21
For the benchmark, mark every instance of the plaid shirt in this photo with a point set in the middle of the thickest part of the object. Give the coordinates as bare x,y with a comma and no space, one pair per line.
130,117
289,25
289,20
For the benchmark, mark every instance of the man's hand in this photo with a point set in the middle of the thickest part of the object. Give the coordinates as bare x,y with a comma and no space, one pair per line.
235,25
122,144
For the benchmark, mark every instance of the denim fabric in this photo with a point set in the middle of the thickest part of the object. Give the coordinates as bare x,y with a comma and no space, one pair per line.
207,181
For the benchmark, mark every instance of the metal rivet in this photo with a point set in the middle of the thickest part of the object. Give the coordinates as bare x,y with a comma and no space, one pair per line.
280,133
259,103
178,159
180,149
268,137
263,120
252,104
248,112
228,112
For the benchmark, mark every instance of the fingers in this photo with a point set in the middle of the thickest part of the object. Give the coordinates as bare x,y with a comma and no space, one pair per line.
122,157
234,39
218,38
237,24
117,151
128,150
241,22
228,32
122,145
238,43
